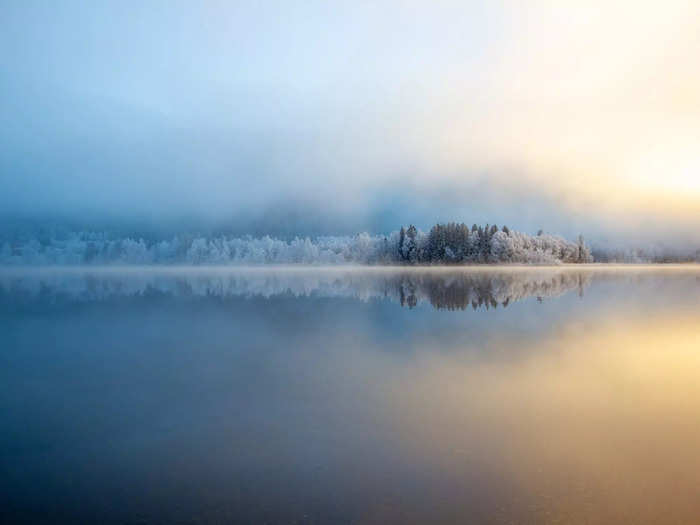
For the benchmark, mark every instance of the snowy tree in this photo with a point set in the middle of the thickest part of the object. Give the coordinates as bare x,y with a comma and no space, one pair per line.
451,243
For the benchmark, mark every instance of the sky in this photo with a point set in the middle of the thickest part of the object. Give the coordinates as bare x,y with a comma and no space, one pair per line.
336,117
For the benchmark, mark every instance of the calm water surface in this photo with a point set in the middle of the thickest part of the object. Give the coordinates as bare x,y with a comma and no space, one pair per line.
366,396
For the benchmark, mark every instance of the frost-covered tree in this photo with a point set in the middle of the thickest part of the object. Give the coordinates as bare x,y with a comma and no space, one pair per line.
411,247
451,243
583,254
402,241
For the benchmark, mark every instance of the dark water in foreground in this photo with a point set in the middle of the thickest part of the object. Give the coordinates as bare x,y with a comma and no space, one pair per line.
350,396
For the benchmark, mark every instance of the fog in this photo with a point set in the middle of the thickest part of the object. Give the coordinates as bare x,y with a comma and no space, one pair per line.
314,118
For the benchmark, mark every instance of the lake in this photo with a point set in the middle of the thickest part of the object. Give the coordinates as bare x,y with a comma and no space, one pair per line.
350,395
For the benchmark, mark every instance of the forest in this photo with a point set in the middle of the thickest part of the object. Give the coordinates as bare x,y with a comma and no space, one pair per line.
450,243
454,243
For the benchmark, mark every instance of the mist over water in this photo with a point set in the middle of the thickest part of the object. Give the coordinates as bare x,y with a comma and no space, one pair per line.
350,395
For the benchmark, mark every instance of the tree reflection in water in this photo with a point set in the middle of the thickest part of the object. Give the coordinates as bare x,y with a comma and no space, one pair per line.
450,289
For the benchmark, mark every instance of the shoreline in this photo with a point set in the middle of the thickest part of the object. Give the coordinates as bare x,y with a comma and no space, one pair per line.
302,267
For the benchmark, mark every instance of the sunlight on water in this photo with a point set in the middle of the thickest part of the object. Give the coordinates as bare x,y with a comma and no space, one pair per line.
586,428
487,395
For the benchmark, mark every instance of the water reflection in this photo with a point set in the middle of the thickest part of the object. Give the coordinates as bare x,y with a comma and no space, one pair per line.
450,289
303,396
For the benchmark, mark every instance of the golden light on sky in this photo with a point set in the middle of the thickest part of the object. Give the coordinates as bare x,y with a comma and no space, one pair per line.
596,97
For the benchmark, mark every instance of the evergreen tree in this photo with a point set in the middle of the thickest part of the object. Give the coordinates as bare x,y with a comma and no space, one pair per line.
484,246
411,248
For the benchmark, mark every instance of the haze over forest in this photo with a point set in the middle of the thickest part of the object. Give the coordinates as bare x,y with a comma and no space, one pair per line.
158,119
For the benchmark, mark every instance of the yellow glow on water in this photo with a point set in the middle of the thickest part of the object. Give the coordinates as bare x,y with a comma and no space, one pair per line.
585,426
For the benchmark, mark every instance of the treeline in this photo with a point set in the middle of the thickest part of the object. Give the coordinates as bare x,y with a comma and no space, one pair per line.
454,243
450,243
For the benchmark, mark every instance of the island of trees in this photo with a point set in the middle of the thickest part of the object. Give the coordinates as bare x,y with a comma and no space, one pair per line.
451,243
454,243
